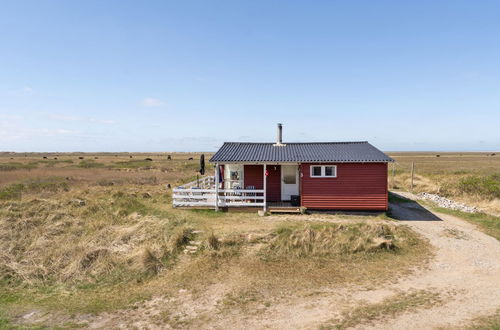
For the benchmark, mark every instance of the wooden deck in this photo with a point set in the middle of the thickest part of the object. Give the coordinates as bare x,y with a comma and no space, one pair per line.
282,207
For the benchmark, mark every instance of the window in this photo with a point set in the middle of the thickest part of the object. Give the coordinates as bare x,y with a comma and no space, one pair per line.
324,171
233,176
289,174
316,170
330,171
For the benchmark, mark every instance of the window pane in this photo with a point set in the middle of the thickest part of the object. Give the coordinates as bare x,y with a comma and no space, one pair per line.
289,174
289,179
331,171
328,170
316,170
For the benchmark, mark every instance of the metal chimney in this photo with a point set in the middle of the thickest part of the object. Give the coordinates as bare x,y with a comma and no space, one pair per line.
280,134
279,137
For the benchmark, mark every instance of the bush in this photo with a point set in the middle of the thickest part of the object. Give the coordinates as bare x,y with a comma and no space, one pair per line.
485,186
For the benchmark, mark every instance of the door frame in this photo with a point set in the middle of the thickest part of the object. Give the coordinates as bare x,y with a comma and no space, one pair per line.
297,177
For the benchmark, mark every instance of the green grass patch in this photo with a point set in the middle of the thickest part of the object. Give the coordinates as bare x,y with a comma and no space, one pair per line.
54,162
13,191
90,163
487,223
132,164
18,166
485,186
487,322
51,184
388,308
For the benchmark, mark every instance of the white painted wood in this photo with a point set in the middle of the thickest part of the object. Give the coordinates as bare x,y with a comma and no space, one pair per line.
245,191
265,186
212,196
217,180
194,204
287,190
180,190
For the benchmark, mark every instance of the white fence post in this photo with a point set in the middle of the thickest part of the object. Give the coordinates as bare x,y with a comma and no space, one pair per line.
265,186
217,186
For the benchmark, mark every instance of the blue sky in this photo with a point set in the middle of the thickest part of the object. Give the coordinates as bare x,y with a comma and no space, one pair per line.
188,75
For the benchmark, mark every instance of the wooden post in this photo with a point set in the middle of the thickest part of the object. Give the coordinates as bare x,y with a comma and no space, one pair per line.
412,173
217,187
265,186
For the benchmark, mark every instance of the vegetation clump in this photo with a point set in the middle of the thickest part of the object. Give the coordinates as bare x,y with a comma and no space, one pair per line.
16,190
332,239
11,166
90,163
132,164
388,308
487,186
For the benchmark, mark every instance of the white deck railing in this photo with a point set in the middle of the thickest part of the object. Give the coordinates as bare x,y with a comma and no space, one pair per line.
226,197
205,182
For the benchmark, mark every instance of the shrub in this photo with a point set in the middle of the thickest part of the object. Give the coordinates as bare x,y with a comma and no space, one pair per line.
485,186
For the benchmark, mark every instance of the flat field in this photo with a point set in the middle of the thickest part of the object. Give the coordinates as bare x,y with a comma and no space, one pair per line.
91,240
469,177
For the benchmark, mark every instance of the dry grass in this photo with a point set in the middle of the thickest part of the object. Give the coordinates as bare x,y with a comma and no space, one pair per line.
487,322
89,239
471,178
335,239
388,308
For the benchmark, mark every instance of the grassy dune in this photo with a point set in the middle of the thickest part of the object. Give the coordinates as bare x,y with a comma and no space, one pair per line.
88,239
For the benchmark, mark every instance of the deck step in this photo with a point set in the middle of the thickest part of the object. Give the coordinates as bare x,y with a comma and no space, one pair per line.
284,210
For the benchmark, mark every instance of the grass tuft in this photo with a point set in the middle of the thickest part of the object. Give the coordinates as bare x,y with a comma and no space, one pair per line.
388,308
332,239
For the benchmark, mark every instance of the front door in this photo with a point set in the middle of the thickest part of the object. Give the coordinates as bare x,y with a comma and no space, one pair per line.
289,181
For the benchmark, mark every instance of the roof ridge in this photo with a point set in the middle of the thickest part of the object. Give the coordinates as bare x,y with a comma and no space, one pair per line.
285,143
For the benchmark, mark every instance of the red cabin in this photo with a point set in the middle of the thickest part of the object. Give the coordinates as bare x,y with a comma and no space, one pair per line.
316,175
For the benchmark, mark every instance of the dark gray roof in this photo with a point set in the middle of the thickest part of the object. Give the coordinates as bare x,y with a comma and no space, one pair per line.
299,152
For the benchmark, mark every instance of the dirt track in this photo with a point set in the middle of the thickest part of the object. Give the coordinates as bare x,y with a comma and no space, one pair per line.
467,268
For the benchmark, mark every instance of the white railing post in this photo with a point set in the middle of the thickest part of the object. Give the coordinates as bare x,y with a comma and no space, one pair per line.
265,186
217,187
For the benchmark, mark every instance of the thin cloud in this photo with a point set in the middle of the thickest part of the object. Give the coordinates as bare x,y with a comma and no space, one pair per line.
28,90
152,102
64,117
102,121
81,119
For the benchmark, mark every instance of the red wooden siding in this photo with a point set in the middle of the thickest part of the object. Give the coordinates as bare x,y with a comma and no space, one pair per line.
274,183
253,176
358,186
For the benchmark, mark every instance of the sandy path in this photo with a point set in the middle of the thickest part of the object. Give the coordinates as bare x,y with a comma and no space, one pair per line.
467,267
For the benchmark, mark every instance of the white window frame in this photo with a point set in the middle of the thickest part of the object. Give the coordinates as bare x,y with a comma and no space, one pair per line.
227,178
323,171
